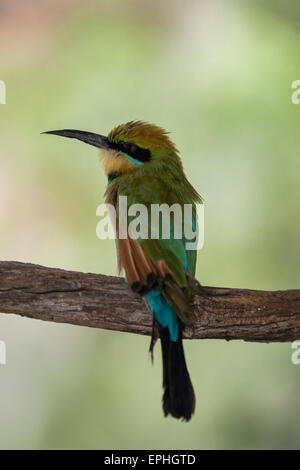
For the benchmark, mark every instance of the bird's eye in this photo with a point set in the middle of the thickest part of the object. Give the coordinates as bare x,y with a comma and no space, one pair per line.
130,148
134,151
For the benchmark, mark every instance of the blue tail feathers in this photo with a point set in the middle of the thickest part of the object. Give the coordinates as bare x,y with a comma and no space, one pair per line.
164,313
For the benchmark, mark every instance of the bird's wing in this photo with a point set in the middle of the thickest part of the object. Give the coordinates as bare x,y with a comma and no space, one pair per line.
157,263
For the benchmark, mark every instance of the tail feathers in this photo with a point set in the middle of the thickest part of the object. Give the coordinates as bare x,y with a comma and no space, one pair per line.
179,396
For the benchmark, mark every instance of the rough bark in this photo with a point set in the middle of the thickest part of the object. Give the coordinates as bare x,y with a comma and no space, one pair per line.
106,302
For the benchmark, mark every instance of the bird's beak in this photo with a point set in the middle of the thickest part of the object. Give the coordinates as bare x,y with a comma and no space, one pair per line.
96,140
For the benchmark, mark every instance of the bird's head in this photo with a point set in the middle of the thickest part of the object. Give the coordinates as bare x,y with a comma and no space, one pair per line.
129,146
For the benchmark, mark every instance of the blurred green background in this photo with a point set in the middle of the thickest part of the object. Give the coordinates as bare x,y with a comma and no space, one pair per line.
217,75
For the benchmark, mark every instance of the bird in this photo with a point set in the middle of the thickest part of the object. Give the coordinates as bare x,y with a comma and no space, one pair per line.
143,164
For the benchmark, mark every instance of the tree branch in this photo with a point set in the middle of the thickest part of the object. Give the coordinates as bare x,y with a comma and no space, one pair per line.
106,302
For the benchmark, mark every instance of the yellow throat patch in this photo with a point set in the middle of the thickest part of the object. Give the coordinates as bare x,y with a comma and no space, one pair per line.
114,162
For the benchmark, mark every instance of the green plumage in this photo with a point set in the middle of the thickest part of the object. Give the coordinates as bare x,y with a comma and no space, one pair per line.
162,181
143,164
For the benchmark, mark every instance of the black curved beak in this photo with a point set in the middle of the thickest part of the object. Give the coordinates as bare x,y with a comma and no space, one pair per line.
97,140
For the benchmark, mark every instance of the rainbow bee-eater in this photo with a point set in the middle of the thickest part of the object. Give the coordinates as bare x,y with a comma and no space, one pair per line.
142,163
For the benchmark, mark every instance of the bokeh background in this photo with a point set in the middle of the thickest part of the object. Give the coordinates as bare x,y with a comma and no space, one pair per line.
217,75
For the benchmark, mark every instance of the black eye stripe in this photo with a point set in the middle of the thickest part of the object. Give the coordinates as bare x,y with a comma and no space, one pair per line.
112,176
134,151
